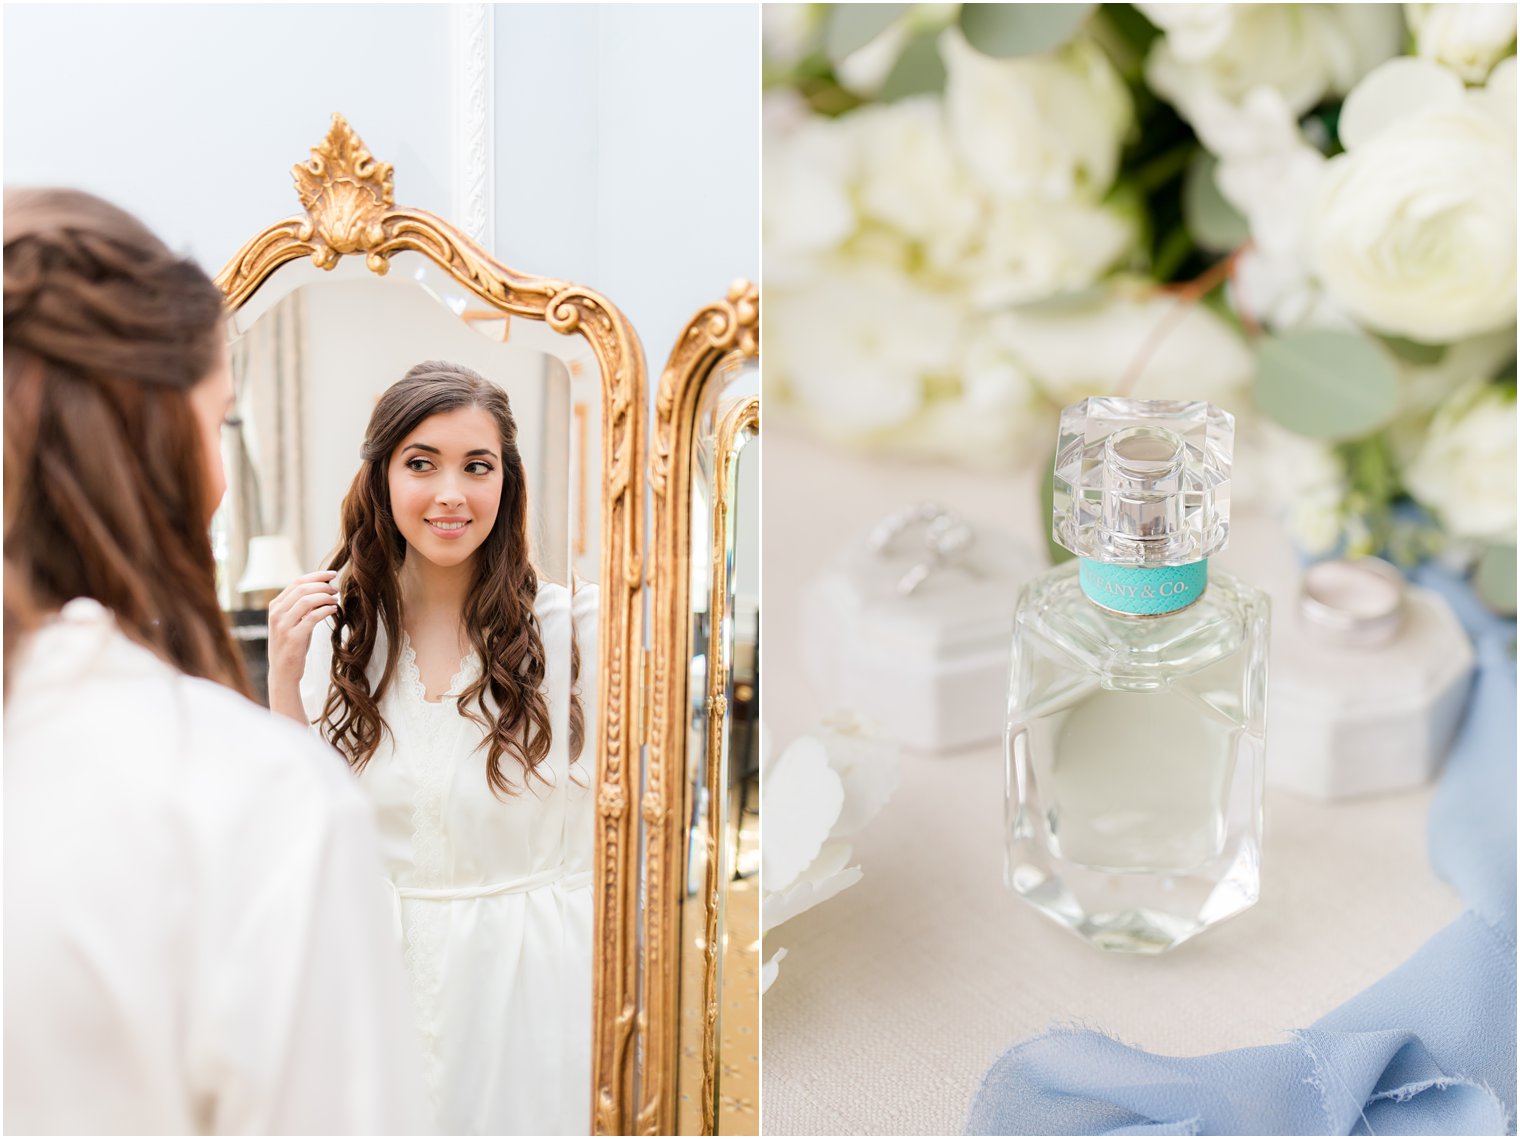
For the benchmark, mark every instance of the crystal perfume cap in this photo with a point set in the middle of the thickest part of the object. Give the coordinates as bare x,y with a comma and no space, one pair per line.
1143,482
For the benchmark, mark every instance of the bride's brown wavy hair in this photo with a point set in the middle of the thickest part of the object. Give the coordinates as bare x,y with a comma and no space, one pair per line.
106,494
498,615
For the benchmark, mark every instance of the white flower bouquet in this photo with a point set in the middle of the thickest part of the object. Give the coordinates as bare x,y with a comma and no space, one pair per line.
976,214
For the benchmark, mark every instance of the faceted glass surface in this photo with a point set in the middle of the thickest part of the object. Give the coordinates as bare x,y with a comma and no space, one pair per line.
1134,761
1111,512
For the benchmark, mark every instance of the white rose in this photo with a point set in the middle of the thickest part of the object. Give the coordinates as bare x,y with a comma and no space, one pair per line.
991,416
914,184
1423,388
859,344
1268,171
1155,345
1412,230
1468,38
1303,51
1294,477
1465,471
806,207
1277,291
1029,250
1242,75
1043,126
912,181
1193,31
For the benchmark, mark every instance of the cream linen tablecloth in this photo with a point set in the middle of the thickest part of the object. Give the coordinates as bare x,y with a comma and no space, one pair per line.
898,994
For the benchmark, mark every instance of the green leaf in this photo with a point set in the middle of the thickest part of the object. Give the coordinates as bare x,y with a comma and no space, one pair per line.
1171,254
1371,469
852,26
1214,223
1494,578
919,70
1326,384
1057,552
1413,351
1137,31
1007,30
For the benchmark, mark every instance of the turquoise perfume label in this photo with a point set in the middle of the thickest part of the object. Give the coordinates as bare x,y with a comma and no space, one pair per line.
1143,591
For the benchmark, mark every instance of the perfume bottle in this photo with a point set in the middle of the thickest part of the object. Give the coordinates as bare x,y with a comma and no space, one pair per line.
1136,708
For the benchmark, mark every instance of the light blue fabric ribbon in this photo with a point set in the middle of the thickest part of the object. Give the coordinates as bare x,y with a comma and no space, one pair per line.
1428,1050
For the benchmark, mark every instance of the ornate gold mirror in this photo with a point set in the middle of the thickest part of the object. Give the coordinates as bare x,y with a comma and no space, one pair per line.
700,1002
330,307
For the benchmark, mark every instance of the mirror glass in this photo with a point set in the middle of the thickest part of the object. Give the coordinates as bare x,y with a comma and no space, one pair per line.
719,1059
491,885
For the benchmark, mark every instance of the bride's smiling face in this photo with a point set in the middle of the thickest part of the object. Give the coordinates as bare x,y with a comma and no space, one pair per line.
445,484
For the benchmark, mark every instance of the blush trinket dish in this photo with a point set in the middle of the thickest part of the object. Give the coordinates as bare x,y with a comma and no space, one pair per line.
909,628
1369,679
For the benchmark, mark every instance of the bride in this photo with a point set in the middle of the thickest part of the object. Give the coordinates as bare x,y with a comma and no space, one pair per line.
448,676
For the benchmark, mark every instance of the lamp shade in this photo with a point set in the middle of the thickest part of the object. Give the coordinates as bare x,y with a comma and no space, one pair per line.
272,564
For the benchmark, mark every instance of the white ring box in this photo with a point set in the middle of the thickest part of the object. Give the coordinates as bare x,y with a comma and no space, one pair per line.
929,669
1362,699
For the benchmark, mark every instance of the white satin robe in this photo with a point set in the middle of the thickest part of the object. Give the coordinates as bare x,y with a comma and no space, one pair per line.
194,941
492,898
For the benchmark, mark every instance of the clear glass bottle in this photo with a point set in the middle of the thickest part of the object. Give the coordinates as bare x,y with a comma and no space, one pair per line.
1137,694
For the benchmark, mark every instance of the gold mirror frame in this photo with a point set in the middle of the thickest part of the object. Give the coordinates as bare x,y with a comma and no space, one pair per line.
737,421
349,203
717,331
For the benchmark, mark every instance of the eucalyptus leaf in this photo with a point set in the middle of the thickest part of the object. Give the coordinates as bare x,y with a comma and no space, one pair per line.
1008,30
1413,351
1326,384
1494,578
1057,552
852,26
919,70
1214,223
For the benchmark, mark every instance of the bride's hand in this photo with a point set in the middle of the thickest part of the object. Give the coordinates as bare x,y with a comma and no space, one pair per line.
299,608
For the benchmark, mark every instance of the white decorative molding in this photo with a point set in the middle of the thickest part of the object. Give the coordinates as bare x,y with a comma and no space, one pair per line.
474,72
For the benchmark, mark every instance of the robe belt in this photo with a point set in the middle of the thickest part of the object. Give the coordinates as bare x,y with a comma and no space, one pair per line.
554,876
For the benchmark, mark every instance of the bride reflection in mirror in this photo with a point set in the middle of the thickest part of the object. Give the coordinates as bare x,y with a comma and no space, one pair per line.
450,678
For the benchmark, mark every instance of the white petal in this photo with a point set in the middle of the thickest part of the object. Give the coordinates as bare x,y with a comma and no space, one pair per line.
867,767
803,795
778,907
1393,90
1498,97
770,970
831,860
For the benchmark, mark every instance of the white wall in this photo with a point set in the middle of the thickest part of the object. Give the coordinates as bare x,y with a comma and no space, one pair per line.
626,136
651,114
192,115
